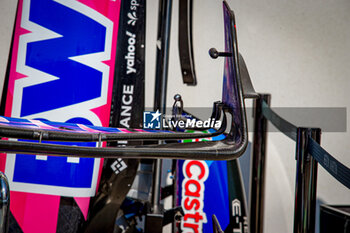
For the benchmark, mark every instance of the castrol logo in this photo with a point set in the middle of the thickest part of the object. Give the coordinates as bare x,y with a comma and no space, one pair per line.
195,174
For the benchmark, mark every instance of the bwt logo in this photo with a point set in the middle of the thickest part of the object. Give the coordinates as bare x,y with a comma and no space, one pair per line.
152,120
63,60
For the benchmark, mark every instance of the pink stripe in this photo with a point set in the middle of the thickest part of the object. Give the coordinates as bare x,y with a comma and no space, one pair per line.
141,130
83,203
35,213
2,119
125,130
3,157
13,73
88,129
42,124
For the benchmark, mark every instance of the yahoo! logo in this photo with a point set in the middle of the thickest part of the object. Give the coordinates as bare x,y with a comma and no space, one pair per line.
195,173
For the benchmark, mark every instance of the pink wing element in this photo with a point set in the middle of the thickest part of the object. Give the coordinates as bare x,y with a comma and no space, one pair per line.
83,203
35,213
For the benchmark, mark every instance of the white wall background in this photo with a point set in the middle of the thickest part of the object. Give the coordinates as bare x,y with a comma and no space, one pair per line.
297,50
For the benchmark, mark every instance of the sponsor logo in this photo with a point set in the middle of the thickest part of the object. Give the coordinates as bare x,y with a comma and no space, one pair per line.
127,99
132,18
195,174
241,227
132,14
118,166
130,56
62,59
129,70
